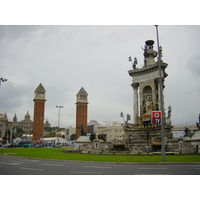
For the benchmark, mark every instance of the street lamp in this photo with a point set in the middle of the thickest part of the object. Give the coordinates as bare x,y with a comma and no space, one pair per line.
161,96
128,117
133,63
59,107
2,80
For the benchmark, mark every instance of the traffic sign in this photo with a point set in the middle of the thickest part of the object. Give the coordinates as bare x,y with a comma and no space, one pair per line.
156,117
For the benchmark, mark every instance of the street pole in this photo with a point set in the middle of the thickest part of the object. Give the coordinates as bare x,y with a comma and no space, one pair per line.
161,98
59,107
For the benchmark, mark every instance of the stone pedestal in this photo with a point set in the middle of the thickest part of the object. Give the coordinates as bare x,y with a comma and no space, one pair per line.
81,141
145,140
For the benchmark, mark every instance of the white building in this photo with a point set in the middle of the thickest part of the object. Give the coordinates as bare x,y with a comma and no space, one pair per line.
114,132
70,131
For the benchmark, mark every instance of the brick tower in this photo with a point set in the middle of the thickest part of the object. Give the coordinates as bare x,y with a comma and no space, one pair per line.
81,111
39,106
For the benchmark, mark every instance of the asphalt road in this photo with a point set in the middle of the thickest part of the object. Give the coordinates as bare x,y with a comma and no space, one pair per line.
25,166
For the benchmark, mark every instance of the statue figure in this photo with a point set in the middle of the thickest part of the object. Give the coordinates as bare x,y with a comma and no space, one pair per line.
83,133
148,107
92,137
102,137
169,115
198,126
186,132
199,118
169,112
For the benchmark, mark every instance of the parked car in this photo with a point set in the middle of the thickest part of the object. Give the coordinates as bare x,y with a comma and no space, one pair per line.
38,146
12,146
57,146
24,144
2,142
6,145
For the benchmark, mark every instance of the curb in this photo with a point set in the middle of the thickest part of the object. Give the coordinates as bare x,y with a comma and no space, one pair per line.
119,163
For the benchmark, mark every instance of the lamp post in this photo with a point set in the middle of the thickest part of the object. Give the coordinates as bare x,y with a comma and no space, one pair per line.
59,107
11,131
2,80
128,117
161,96
133,63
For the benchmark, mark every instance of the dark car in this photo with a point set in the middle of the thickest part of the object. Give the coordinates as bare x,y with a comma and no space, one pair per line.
11,146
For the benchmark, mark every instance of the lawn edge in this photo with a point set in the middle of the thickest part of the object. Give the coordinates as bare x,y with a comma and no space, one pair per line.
101,162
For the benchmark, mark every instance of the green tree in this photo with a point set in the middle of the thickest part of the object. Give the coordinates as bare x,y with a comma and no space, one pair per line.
51,134
19,132
73,137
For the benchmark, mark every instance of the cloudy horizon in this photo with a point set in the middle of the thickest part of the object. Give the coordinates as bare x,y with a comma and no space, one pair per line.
65,58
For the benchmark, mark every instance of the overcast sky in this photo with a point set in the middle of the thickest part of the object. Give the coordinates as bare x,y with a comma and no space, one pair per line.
66,58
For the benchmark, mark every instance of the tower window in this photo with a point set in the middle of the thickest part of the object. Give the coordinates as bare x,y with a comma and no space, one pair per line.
82,97
40,94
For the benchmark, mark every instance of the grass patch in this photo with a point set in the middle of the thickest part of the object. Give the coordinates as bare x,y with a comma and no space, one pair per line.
62,154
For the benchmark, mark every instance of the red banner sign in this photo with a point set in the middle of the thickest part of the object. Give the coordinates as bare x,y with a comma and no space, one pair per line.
156,117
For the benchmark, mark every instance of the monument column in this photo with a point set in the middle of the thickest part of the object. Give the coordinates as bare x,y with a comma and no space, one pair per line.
39,108
157,92
159,97
81,112
135,103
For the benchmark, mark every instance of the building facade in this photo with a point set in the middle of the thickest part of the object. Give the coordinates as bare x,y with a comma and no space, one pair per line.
27,124
114,133
70,131
3,124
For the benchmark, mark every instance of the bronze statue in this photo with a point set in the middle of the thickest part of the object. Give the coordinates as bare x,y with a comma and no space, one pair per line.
83,133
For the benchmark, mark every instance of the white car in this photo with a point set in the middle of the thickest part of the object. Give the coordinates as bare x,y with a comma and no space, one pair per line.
6,145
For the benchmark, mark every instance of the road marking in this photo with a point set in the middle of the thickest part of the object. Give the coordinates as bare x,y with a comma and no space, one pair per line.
85,172
149,168
31,169
196,168
17,161
12,153
56,165
9,163
152,174
30,160
97,167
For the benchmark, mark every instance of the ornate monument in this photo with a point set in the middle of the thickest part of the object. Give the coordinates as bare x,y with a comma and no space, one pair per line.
145,83
143,136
